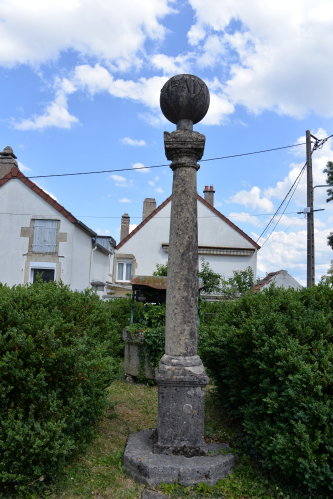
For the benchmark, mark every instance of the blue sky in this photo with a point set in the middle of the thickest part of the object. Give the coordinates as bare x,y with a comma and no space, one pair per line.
80,84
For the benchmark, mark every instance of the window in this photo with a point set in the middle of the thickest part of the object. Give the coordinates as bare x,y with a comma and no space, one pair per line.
45,236
47,275
46,270
124,272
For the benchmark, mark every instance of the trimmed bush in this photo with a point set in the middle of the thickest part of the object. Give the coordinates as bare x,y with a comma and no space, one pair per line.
56,360
271,356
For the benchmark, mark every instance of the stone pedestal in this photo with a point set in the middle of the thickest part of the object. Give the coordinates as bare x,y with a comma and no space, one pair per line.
181,406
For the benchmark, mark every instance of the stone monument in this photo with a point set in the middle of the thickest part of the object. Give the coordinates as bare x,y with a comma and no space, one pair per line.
177,450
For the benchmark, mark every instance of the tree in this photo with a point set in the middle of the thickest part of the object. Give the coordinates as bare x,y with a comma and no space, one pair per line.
329,181
242,280
161,269
211,279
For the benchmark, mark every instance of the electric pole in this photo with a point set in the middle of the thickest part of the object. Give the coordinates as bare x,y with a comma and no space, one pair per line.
310,225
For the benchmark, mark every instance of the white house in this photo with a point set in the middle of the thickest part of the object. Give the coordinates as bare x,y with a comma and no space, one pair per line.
224,245
38,235
281,279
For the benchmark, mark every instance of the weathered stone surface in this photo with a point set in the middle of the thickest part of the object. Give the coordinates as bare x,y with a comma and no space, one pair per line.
181,323
184,98
184,148
181,377
153,469
181,406
132,359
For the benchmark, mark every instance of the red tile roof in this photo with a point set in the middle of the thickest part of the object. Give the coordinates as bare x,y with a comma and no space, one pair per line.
214,210
16,173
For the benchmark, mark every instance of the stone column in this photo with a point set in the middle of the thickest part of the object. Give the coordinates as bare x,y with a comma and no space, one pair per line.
181,377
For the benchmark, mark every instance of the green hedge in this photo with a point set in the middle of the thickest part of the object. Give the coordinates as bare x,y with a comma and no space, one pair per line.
56,360
271,356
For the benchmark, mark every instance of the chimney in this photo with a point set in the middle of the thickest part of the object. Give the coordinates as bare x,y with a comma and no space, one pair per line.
125,223
7,161
149,205
209,194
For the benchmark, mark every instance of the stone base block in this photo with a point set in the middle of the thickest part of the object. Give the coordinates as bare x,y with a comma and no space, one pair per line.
153,469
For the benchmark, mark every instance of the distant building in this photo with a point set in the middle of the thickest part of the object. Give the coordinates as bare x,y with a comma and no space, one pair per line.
281,279
39,236
224,245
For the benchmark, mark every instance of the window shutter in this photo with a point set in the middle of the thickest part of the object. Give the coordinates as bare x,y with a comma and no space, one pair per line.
45,236
120,271
128,271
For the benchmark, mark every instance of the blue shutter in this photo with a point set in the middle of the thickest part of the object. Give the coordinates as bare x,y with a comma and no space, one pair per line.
45,236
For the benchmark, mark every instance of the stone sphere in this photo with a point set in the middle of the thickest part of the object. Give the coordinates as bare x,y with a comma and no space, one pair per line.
184,97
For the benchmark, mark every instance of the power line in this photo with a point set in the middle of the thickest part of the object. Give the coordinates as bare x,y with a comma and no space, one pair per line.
119,216
164,165
275,214
298,179
280,234
317,145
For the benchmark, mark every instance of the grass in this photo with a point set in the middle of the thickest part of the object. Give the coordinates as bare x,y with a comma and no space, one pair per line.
98,473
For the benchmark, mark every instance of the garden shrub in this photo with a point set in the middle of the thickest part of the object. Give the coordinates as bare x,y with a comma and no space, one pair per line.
271,357
120,310
56,360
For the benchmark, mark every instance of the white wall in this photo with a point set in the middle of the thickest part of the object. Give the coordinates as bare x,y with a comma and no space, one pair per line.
146,244
284,280
100,266
74,254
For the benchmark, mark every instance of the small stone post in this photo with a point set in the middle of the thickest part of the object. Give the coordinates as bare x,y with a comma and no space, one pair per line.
181,377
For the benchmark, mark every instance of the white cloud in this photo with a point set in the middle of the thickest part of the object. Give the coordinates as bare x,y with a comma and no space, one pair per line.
133,142
276,56
100,232
319,161
252,199
159,190
245,218
220,107
212,50
35,32
118,178
97,79
288,251
173,65
132,227
23,168
140,168
122,181
124,200
151,183
56,115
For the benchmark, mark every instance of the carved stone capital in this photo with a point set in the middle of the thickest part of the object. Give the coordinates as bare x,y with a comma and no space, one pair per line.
184,148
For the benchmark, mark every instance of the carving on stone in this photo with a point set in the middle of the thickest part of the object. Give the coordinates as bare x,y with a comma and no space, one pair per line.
184,98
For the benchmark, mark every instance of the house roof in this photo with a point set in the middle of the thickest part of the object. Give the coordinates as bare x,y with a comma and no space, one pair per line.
266,280
214,210
15,173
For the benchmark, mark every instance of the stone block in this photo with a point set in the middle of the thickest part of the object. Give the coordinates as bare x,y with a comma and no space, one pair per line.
153,469
132,358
